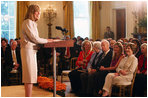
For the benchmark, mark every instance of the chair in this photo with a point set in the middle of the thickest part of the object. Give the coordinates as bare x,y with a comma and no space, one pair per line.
15,77
72,66
124,90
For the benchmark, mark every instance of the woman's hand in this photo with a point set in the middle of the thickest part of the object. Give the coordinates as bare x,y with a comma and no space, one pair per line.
102,68
123,72
84,60
138,72
50,40
80,62
116,74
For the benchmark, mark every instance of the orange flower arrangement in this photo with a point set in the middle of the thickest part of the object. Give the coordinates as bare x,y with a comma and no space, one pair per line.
47,83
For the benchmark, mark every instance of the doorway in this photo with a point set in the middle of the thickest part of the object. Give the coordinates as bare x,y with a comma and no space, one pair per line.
120,23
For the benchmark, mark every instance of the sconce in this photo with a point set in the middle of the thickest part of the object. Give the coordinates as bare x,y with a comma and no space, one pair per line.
49,14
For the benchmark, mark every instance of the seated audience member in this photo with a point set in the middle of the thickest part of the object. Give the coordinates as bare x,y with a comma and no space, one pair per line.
86,38
105,61
96,56
124,71
15,58
121,41
140,85
117,57
124,46
112,42
130,39
81,65
138,50
125,40
91,40
4,50
18,42
78,37
4,47
12,61
75,50
144,40
64,57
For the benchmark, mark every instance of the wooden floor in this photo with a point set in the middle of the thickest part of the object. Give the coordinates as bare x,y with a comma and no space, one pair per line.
18,90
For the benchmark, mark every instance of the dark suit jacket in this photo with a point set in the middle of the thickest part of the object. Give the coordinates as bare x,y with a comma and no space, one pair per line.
109,35
105,61
9,59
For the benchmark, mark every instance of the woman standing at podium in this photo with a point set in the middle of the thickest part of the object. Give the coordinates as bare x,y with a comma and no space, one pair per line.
29,41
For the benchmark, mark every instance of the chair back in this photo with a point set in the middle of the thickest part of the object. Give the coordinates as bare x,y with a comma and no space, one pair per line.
73,63
133,80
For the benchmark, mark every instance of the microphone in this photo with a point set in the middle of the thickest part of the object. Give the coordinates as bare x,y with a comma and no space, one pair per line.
63,30
59,28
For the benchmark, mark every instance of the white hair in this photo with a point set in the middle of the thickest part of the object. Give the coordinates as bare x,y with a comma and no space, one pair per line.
97,44
104,40
13,42
144,45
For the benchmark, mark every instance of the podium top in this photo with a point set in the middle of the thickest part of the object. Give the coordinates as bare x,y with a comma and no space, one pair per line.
60,43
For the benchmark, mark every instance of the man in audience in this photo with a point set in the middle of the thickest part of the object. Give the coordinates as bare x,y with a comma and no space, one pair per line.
108,33
13,60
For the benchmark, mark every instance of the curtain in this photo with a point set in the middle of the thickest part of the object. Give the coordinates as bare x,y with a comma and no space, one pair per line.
95,19
21,11
68,17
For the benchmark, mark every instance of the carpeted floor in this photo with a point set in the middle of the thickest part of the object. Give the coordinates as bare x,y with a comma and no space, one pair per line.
18,91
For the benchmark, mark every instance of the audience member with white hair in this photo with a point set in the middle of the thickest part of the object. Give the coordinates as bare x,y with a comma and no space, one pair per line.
140,85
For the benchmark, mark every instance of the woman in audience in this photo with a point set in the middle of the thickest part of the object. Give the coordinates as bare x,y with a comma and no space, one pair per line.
117,57
81,64
124,72
138,50
124,46
141,77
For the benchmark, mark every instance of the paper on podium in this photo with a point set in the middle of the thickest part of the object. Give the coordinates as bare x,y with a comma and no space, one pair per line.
60,43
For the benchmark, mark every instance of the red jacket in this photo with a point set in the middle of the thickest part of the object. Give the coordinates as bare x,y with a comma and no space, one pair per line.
81,57
140,63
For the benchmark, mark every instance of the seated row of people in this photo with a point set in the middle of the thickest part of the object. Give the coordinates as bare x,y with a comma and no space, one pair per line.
10,61
93,75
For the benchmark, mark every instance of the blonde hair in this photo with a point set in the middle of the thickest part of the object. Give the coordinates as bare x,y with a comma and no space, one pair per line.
120,52
84,42
31,10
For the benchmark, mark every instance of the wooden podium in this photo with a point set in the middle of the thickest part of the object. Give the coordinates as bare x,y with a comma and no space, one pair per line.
57,43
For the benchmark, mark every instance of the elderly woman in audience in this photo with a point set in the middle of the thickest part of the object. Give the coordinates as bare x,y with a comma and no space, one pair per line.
117,57
141,77
124,71
138,50
81,65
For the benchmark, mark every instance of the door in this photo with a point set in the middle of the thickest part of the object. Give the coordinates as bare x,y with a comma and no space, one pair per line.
121,23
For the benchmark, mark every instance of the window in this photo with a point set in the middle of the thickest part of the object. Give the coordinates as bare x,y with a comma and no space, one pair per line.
81,18
8,19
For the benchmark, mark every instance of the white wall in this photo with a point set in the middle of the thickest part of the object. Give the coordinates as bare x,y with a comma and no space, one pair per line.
107,13
42,23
